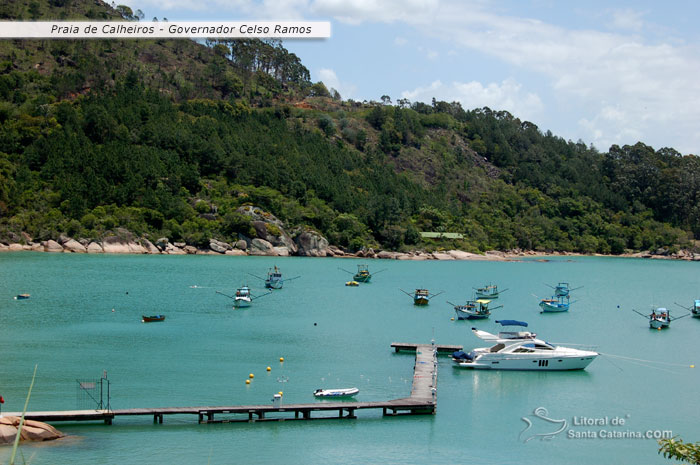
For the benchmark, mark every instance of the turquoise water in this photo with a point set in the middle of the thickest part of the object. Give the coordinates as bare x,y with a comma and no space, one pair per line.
336,336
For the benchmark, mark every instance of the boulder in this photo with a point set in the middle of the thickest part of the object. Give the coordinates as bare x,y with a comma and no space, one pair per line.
282,251
31,430
94,247
241,244
149,247
336,251
190,249
236,252
386,254
268,227
27,238
16,247
179,245
162,243
74,246
218,246
261,247
62,239
37,247
311,244
173,250
442,256
52,246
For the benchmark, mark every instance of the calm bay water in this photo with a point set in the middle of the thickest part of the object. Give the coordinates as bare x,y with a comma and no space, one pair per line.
336,336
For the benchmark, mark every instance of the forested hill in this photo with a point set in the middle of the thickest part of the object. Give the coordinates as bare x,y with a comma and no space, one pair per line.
169,138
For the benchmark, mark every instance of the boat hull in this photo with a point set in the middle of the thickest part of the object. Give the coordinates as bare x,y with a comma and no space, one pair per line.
361,278
553,308
656,324
152,319
335,393
274,284
242,302
466,315
562,363
421,301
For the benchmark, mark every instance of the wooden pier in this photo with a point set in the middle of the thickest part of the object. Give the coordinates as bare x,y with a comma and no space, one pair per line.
422,400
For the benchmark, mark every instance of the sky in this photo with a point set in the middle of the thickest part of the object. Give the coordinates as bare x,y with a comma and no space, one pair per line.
603,72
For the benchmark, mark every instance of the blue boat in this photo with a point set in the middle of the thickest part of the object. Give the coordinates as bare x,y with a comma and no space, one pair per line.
562,289
22,296
555,304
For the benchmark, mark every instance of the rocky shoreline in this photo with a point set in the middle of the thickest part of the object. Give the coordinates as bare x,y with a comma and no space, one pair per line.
316,248
268,237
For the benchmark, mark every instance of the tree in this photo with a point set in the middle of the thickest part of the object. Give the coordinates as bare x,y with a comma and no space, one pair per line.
386,100
676,449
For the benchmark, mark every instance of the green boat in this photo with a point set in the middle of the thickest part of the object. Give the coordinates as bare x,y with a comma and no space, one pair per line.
363,275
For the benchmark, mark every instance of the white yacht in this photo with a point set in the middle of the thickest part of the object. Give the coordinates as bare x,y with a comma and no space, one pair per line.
521,350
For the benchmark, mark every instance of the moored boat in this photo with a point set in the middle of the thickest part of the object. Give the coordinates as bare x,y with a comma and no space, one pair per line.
660,318
363,275
474,309
345,392
489,291
22,296
555,304
421,296
152,318
352,283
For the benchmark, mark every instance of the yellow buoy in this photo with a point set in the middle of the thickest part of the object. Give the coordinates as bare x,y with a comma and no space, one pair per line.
268,368
692,366
247,381
452,319
251,376
280,393
281,359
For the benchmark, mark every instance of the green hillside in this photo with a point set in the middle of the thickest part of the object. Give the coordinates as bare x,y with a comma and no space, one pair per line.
170,137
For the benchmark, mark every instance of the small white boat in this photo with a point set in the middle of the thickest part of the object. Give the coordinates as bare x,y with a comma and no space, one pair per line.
347,392
555,305
521,351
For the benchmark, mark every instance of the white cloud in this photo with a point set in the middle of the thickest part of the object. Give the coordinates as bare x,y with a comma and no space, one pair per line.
627,19
330,79
507,95
389,11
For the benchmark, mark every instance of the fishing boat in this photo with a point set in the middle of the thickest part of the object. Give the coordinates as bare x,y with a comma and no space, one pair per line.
555,304
563,289
694,309
489,291
660,318
242,298
362,275
352,283
421,296
347,392
474,309
274,278
152,318
22,296
521,352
